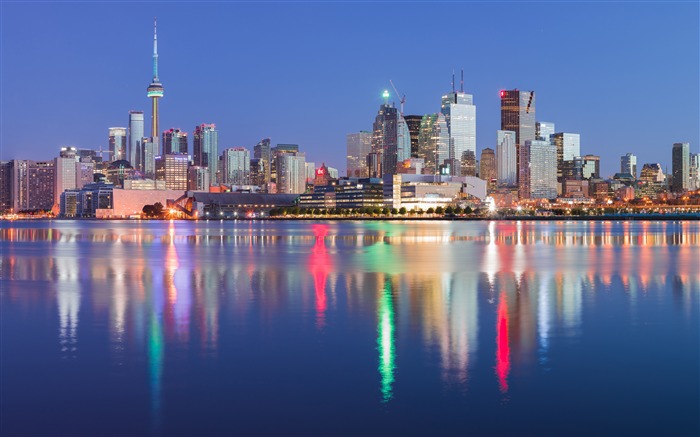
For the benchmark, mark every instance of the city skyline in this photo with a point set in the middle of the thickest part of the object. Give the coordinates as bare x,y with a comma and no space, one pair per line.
189,105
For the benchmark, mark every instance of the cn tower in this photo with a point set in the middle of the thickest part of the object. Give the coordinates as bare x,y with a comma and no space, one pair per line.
155,89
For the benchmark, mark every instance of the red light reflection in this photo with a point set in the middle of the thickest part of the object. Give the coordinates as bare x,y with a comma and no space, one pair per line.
320,266
502,347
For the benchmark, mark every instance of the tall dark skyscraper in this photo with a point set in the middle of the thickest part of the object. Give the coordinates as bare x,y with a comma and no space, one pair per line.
261,151
518,115
413,122
681,167
155,89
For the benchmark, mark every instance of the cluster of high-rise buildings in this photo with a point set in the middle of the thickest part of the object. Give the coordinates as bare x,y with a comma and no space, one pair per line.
414,161
531,160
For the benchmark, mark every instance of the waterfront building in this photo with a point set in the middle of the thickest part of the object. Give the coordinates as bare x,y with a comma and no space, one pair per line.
374,164
261,151
506,158
232,205
174,142
86,201
680,167
413,122
544,130
591,167
117,143
348,193
198,178
538,170
568,147
518,115
358,145
415,191
136,136
628,164
487,167
460,115
235,166
205,149
32,185
173,169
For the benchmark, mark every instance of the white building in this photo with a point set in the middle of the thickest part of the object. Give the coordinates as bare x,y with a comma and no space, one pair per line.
506,158
538,170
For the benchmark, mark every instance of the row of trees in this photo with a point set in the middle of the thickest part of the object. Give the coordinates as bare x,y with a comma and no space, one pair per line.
368,211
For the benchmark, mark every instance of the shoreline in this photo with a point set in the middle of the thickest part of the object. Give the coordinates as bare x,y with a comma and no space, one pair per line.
617,217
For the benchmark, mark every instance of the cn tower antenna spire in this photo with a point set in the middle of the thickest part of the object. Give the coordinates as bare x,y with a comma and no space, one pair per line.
155,51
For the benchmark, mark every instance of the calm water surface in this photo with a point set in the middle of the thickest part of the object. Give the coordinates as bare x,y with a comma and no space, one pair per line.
354,328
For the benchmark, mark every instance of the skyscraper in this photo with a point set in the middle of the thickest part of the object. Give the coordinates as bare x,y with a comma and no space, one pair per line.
506,158
135,139
148,157
66,172
487,166
628,164
460,115
291,172
358,145
681,167
568,147
433,142
543,130
518,115
538,170
198,178
173,169
174,142
6,198
262,151
33,185
235,166
205,144
413,123
694,171
117,143
385,136
155,89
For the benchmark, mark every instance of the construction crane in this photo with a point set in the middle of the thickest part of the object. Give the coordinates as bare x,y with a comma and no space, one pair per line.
403,97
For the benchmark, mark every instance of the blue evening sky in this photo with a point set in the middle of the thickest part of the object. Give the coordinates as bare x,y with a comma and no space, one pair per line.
622,74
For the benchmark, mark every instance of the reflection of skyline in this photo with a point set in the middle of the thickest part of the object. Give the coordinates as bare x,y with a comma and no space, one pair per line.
168,291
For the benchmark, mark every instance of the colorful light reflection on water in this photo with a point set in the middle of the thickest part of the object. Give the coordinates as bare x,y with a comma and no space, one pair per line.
213,328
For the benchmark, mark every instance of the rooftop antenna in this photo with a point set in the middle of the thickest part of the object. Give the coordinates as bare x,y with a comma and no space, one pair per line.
461,82
453,80
385,95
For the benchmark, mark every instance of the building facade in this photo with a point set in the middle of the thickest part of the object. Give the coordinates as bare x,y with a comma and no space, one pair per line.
460,115
568,147
174,170
680,167
358,145
235,166
544,130
487,166
518,115
174,142
205,145
117,143
538,170
135,139
506,158
628,164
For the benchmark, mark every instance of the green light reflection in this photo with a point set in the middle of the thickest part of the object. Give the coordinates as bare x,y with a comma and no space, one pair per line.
385,341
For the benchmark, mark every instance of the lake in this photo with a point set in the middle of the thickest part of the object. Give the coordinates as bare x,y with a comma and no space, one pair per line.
350,328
